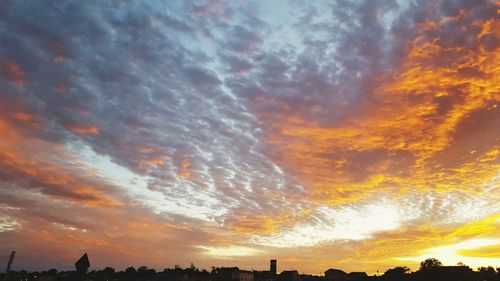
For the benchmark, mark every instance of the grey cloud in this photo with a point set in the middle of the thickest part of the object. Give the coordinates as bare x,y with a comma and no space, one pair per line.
149,96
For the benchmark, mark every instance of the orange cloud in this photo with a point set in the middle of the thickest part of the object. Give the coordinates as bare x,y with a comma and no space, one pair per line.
13,72
146,165
16,114
22,116
156,161
85,130
31,162
256,225
149,225
184,170
97,197
414,118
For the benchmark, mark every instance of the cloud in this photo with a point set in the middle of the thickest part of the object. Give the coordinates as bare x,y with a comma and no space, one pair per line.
209,127
365,153
85,130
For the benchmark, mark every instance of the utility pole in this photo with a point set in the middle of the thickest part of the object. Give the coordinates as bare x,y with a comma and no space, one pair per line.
11,259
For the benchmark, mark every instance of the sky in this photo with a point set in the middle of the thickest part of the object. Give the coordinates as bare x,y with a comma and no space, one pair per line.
359,135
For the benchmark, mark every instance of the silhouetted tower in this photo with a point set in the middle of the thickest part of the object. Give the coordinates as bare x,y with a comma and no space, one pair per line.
272,268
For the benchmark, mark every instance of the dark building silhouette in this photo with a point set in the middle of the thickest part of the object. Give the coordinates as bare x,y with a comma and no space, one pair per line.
224,273
289,275
232,274
309,277
357,276
264,276
434,273
333,274
273,266
242,275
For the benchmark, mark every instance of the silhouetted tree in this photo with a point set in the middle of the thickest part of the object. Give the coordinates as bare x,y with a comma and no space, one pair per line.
429,270
145,271
430,263
487,273
108,270
130,270
489,269
142,268
397,273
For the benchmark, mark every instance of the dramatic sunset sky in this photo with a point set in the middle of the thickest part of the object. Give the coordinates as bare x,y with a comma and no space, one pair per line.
359,135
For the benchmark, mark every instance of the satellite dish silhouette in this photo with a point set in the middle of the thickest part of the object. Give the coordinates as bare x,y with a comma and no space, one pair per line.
83,263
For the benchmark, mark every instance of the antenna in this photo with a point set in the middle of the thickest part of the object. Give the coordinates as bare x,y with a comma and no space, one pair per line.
11,259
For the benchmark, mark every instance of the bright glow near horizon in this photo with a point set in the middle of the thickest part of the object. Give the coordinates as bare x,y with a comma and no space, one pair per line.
452,254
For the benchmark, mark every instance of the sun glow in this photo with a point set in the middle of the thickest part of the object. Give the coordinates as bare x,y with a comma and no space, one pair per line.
453,254
355,222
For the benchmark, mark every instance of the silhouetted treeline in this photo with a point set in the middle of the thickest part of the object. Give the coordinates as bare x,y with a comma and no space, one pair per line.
430,270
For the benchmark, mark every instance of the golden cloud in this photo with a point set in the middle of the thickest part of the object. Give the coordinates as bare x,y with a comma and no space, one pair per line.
414,118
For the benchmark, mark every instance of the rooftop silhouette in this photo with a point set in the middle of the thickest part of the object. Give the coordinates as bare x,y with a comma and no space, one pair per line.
430,270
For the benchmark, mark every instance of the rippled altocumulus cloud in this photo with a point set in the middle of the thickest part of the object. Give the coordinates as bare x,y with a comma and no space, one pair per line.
201,127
